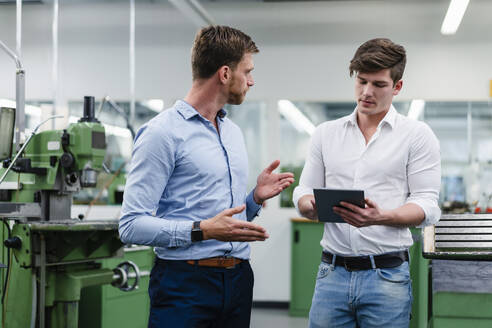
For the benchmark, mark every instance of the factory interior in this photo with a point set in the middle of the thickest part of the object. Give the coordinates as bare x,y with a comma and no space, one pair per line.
82,76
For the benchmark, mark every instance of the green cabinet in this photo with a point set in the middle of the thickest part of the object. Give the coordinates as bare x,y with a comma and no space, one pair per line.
461,310
306,256
106,306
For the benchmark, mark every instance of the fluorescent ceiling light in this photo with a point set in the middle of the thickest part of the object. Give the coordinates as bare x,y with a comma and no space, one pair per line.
194,11
295,117
416,108
157,105
455,13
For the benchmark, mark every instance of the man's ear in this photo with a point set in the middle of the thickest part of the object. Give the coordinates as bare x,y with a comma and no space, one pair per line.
224,73
397,88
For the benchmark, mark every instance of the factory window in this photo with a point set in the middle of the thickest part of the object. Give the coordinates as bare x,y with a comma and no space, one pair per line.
464,130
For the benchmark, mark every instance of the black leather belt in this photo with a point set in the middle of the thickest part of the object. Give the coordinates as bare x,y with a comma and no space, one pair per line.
357,263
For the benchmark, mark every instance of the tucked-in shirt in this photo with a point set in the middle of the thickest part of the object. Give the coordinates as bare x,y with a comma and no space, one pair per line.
400,164
184,170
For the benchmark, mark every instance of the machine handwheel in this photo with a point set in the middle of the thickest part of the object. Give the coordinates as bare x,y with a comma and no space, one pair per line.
123,275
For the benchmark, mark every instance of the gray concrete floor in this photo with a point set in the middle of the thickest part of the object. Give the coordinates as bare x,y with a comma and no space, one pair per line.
273,318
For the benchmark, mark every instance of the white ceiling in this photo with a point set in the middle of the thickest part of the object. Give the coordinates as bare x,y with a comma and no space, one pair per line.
276,23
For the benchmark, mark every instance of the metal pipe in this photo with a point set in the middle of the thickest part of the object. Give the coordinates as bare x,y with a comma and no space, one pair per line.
19,94
54,32
18,26
469,135
132,60
12,55
131,275
20,102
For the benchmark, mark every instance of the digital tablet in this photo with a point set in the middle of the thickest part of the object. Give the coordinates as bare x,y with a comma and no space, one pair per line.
327,198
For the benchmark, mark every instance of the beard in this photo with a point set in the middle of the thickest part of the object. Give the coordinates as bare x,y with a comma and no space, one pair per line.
236,95
235,98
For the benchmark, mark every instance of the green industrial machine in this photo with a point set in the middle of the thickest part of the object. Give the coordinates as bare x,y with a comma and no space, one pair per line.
55,258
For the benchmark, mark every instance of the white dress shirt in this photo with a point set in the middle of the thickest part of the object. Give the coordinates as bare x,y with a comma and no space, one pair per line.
400,164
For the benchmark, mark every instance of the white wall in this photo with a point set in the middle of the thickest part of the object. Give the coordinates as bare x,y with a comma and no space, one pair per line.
434,72
94,61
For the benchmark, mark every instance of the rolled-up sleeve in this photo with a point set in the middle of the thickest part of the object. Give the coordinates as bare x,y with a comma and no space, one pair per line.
152,164
424,174
313,173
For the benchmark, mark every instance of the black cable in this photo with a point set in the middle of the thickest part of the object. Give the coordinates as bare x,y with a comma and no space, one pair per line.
8,262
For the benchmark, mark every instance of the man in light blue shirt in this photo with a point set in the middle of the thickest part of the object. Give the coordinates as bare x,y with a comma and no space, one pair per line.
186,193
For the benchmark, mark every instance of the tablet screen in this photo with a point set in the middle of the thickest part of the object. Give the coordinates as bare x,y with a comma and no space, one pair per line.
327,198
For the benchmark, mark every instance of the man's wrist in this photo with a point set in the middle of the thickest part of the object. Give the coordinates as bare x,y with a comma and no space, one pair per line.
387,217
256,198
304,205
204,227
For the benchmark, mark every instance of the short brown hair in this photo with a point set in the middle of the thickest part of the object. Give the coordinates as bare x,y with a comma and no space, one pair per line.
216,46
378,54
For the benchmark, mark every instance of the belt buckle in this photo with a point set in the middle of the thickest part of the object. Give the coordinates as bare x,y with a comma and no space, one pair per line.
345,264
221,261
233,264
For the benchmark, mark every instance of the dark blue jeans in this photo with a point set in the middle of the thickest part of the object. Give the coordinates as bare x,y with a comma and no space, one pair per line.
184,295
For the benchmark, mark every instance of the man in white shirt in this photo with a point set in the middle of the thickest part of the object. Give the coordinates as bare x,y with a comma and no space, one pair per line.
364,277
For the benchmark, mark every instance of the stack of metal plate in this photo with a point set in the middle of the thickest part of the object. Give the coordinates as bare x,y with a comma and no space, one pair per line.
460,237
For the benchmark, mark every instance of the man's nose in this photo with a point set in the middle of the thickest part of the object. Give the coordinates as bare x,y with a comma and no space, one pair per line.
367,90
251,82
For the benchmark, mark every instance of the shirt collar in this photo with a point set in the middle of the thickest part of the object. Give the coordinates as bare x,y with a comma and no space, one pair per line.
389,118
187,111
352,118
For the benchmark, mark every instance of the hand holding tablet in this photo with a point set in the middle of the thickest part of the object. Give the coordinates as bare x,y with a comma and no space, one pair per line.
327,198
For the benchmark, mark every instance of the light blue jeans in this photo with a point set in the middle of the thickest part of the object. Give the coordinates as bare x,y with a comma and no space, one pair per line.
366,299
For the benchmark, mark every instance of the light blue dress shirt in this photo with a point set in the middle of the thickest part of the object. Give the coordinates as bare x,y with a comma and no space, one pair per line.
183,170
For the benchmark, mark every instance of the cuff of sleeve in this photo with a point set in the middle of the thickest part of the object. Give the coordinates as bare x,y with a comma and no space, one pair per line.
181,235
431,210
252,208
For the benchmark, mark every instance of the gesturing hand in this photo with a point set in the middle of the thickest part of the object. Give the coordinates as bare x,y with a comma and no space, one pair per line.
270,184
225,228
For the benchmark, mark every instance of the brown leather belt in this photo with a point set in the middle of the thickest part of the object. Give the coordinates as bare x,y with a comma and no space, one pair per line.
217,262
